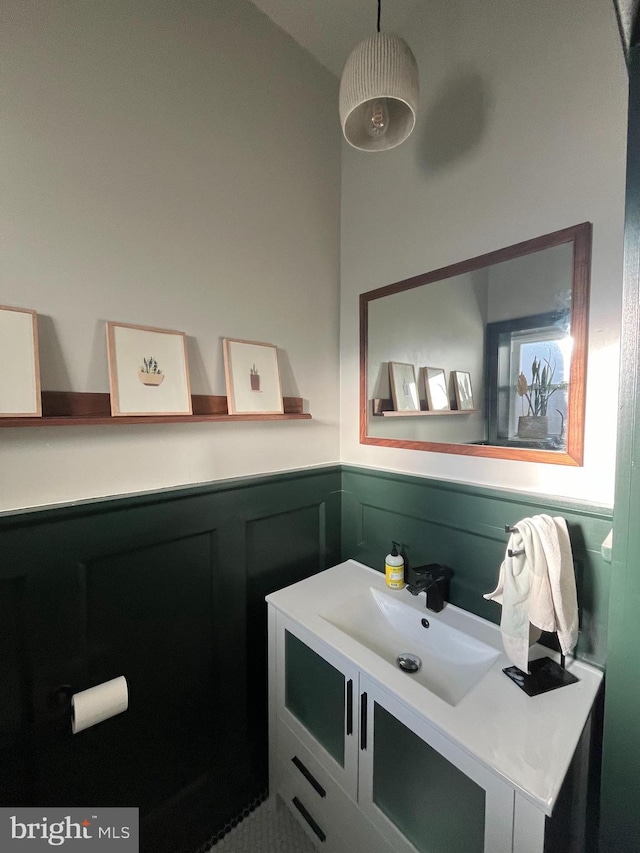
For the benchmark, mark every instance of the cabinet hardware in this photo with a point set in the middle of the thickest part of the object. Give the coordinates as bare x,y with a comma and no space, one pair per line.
309,776
350,707
305,814
363,721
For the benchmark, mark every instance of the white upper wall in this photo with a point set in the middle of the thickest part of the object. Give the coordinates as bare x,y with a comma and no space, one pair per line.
174,165
531,284
521,131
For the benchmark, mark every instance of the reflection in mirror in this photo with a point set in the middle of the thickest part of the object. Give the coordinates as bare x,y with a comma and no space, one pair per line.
404,391
435,385
508,333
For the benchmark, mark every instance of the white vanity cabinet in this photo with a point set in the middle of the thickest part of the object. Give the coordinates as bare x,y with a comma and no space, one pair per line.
366,764
355,765
314,738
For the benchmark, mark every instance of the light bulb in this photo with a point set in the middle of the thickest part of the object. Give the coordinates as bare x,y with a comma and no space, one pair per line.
377,118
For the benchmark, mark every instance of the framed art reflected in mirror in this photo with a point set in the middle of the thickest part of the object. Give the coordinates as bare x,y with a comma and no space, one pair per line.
404,389
435,383
464,393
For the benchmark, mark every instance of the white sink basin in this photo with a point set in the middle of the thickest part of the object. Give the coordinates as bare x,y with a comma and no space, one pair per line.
453,650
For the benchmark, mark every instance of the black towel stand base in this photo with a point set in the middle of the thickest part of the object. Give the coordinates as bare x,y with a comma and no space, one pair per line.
545,675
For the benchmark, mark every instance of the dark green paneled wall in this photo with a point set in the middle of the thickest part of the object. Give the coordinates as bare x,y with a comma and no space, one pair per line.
462,526
168,588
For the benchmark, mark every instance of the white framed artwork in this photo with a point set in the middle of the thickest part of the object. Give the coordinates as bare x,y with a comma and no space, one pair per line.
436,387
252,377
404,389
20,377
464,393
148,371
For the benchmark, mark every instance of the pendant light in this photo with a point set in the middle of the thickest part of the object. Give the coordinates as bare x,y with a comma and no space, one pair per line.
379,93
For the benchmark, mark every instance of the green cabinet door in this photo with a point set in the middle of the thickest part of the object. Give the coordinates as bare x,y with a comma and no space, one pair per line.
431,802
315,694
421,790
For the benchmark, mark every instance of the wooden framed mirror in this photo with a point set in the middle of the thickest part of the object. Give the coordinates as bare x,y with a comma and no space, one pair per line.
514,324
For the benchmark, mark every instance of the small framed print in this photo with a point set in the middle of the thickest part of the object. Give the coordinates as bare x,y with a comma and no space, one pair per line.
20,376
404,390
464,394
435,383
252,377
148,371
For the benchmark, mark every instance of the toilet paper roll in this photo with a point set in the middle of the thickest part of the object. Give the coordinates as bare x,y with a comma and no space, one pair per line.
99,703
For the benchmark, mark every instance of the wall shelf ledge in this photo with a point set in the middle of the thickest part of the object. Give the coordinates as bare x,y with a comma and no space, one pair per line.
384,408
74,408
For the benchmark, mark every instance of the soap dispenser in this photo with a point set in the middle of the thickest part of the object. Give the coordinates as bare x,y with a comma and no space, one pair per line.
394,568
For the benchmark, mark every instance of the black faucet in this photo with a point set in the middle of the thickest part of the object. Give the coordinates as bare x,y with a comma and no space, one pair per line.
434,580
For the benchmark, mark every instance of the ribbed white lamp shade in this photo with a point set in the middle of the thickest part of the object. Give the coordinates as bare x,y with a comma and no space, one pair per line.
379,93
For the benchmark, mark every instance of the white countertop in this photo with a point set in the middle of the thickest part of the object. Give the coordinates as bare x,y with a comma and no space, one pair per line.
528,741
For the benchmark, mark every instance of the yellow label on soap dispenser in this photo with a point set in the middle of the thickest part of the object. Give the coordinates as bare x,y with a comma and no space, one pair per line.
394,576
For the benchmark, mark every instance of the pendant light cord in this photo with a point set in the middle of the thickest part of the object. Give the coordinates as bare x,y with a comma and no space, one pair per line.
379,3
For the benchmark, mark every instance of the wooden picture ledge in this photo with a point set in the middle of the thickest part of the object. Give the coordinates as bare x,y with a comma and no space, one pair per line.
75,408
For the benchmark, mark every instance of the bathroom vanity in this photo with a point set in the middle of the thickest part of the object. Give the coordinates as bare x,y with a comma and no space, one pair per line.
453,758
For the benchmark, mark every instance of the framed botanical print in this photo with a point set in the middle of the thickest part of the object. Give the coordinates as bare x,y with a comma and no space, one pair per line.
148,371
435,382
252,378
464,394
404,389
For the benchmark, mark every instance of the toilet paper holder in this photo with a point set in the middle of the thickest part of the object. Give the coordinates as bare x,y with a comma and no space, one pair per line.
60,700
85,708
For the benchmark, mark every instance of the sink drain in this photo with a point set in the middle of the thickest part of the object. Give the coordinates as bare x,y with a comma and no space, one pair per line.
409,662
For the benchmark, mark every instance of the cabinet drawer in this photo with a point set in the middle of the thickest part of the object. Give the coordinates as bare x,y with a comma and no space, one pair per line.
290,748
300,775
314,820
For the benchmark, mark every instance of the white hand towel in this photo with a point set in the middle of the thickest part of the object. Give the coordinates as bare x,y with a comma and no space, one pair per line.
562,581
536,588
514,592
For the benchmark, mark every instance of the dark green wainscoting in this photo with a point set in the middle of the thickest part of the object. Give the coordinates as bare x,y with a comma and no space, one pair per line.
167,589
462,526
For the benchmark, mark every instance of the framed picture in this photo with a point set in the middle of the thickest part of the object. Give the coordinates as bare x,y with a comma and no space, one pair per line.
404,390
148,372
253,379
20,376
435,383
464,394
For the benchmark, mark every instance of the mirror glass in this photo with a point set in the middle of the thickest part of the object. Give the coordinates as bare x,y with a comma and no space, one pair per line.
486,357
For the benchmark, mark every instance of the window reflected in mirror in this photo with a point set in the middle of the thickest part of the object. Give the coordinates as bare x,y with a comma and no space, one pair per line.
528,372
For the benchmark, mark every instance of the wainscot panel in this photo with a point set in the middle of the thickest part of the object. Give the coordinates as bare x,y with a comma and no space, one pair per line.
168,590
462,526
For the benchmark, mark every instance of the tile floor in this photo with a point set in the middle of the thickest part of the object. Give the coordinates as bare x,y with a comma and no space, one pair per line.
265,830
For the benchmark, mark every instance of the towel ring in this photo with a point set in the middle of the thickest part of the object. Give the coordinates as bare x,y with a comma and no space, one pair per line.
511,553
